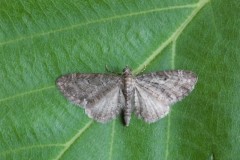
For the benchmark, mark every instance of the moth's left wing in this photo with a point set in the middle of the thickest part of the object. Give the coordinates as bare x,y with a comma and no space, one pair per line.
99,94
155,92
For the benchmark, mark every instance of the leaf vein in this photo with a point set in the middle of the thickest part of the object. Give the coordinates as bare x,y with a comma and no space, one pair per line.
26,93
30,147
102,20
173,36
112,140
69,143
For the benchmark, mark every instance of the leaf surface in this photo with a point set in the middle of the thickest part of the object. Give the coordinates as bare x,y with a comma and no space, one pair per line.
42,40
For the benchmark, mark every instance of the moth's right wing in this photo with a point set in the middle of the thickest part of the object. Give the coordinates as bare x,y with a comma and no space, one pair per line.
155,92
100,94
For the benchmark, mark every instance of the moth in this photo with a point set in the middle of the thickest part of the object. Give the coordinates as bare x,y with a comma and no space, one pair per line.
149,96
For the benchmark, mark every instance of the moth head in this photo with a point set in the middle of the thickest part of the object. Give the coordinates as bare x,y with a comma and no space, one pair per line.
127,71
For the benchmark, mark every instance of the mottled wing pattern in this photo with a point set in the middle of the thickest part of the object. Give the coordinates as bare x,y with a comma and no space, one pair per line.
100,94
155,92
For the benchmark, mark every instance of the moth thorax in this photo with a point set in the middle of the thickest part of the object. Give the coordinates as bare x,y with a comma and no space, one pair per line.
128,78
128,83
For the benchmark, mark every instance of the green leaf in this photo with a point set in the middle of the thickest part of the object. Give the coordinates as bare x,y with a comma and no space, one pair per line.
42,40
